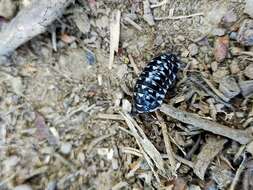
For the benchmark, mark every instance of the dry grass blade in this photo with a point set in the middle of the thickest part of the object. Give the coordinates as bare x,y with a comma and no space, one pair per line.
241,136
178,17
148,149
109,116
114,35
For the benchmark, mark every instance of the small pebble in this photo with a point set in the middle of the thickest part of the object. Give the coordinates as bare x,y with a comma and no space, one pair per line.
246,87
229,87
118,95
82,21
233,35
193,49
66,148
7,8
219,31
194,64
10,163
126,106
248,72
249,8
180,38
245,34
185,53
90,58
23,187
229,17
51,185
214,66
219,74
234,67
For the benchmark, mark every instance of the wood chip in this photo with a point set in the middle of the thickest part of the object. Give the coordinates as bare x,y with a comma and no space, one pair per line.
114,35
207,154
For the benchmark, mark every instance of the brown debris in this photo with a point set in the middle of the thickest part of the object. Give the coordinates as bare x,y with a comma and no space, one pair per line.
207,154
221,46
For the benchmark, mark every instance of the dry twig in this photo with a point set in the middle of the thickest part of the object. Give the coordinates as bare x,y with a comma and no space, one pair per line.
30,22
178,17
167,143
238,174
114,35
241,136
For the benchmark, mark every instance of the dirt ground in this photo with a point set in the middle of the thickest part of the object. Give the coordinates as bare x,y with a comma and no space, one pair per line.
63,112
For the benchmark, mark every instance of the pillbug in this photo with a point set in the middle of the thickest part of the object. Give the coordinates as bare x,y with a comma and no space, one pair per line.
153,83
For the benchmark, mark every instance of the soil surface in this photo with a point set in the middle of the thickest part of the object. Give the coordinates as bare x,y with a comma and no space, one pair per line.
64,121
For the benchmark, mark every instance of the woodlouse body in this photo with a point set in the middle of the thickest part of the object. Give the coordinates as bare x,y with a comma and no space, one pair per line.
154,81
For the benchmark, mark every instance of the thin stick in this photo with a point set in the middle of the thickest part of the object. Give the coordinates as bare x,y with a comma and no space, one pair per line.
30,22
184,161
215,90
178,17
167,143
241,136
134,24
117,117
136,70
238,174
114,35
159,4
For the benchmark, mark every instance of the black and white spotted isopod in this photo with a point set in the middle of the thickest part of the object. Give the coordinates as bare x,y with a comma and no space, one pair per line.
154,81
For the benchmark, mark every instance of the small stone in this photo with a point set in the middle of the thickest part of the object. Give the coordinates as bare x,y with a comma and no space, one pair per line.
180,38
185,53
248,72
230,17
246,87
234,67
126,106
193,49
82,21
102,22
10,163
235,50
51,185
23,187
229,87
219,74
66,148
194,187
245,34
194,64
7,8
214,66
249,8
219,31
118,95
233,35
